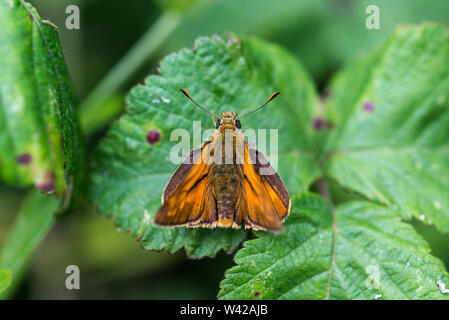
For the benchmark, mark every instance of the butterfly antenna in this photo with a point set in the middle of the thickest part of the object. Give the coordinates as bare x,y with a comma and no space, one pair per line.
274,95
196,103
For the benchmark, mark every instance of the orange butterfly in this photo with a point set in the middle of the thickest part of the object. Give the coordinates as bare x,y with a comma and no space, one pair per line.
221,185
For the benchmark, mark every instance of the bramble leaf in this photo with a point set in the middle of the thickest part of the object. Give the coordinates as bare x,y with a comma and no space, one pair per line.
39,137
391,116
365,252
129,169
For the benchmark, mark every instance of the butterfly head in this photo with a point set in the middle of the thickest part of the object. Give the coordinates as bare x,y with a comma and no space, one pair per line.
228,120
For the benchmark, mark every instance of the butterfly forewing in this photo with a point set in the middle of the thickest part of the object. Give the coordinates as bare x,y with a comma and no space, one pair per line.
263,203
187,198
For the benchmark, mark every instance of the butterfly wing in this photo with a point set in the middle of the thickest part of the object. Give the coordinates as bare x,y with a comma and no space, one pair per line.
188,198
273,183
265,202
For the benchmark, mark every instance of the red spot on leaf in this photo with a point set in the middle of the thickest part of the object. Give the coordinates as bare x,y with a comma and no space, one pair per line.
46,187
24,158
153,136
318,124
368,107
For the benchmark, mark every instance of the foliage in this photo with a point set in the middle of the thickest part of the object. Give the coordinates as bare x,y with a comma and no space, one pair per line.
380,139
40,142
323,34
39,136
390,141
378,134
365,253
129,174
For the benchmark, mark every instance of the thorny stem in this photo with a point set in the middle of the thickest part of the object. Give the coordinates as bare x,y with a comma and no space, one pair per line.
153,38
324,191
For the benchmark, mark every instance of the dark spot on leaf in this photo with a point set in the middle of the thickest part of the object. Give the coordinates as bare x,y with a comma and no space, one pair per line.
256,293
46,187
368,107
153,136
318,124
24,158
31,17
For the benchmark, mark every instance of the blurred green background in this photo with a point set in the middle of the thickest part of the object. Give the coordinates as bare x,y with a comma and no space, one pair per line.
324,35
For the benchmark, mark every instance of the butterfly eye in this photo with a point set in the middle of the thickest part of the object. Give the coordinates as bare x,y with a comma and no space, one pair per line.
218,124
237,124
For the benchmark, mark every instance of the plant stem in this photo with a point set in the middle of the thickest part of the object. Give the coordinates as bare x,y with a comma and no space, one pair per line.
133,59
34,221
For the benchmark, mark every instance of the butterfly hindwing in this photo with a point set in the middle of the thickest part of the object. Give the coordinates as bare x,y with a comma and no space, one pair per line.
265,202
272,181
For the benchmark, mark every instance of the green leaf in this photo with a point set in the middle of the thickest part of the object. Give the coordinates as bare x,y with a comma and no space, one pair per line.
391,115
35,219
5,279
39,136
129,174
365,252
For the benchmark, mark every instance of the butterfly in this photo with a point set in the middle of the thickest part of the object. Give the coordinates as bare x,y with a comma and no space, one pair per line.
225,183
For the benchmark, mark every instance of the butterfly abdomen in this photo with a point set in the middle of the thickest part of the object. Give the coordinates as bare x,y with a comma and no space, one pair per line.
225,180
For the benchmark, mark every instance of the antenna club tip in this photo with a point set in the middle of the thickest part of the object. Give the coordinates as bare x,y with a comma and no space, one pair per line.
184,92
274,95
